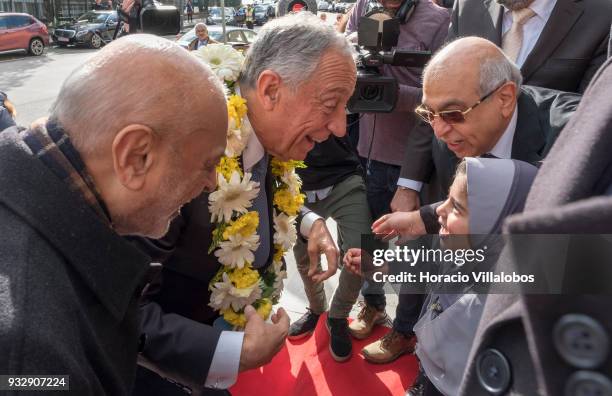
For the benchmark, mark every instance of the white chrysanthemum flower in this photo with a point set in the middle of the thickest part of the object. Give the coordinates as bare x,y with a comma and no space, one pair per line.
238,250
224,60
224,294
233,196
237,138
281,275
293,181
285,233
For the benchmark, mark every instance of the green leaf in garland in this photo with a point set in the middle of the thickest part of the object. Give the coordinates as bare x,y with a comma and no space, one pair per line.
217,237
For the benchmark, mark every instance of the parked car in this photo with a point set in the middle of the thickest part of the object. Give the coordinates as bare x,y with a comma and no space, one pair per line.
239,38
214,16
23,32
260,15
94,28
323,6
270,9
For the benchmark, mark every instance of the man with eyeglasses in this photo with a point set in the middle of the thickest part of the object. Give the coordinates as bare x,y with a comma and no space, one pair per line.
474,101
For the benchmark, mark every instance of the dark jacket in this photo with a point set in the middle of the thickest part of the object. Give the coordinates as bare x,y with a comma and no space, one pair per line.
569,51
329,163
553,343
175,317
69,285
542,113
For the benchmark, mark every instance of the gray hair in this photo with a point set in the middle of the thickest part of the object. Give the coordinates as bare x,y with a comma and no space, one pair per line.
138,79
495,71
292,47
200,25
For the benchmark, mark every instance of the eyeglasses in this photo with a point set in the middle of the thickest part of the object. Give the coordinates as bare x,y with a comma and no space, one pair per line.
451,116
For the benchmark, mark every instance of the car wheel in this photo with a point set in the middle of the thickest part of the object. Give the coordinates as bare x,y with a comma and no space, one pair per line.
96,41
37,47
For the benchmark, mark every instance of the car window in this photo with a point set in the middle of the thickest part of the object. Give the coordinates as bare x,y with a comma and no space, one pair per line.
250,36
216,35
3,22
92,17
16,21
235,36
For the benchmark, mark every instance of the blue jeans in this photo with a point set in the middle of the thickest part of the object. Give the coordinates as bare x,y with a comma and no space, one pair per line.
381,184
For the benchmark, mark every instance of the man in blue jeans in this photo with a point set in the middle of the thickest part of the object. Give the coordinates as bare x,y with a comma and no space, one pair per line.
382,141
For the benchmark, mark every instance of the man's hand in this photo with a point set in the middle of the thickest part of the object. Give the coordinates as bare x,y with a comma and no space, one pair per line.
320,242
406,225
262,340
405,200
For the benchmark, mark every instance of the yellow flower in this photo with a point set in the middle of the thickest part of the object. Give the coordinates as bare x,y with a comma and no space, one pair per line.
281,167
245,225
264,308
278,253
244,277
233,318
287,202
236,108
227,166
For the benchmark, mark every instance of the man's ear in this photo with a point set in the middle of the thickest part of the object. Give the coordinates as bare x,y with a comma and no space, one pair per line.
134,154
268,89
507,95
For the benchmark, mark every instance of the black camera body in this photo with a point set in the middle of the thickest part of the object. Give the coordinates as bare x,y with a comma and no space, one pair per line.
375,93
149,16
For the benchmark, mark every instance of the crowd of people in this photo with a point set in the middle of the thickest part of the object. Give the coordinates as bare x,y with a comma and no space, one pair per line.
105,265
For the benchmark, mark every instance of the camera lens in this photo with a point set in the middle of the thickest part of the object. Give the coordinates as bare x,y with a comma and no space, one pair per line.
371,92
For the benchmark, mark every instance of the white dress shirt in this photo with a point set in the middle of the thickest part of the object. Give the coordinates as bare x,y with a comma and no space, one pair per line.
532,28
503,147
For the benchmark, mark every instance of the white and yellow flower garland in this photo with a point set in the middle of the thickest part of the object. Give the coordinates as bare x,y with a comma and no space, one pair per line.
237,284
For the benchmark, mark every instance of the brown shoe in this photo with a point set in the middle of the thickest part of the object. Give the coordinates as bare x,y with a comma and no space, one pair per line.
367,318
389,348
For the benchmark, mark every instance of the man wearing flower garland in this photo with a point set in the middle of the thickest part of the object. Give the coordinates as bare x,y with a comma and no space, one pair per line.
225,250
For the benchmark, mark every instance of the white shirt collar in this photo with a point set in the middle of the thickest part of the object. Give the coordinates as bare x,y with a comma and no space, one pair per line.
503,147
254,150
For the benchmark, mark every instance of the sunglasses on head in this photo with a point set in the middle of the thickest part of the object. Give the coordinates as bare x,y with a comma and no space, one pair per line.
451,116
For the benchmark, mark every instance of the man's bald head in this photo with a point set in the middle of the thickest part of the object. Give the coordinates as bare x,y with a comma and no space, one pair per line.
137,79
150,122
472,76
478,63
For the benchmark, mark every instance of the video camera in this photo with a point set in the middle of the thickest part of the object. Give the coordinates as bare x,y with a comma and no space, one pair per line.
150,16
377,34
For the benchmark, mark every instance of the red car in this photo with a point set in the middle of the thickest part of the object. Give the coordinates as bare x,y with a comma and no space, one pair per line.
23,31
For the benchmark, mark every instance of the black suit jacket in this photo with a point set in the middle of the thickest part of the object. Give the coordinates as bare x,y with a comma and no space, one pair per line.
542,113
572,193
569,51
175,317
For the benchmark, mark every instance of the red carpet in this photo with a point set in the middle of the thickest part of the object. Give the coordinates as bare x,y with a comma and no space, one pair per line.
306,368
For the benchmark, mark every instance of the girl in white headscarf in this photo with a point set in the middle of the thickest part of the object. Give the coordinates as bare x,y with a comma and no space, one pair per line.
485,191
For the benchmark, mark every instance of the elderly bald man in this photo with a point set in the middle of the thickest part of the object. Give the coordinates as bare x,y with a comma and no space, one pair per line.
474,101
476,105
72,184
